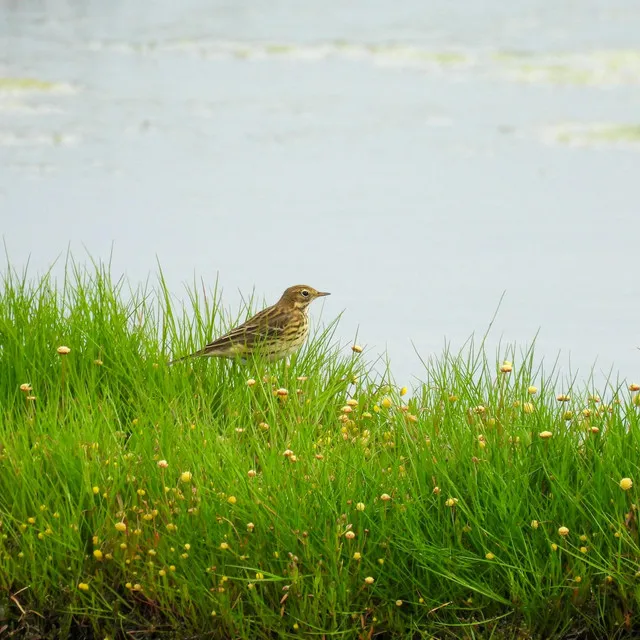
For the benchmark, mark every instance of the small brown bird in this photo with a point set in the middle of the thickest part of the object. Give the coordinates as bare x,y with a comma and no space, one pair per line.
273,333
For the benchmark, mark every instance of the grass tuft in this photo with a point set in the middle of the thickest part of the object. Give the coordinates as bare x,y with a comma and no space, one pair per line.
220,500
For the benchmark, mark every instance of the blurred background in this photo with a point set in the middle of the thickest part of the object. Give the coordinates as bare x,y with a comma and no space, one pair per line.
416,158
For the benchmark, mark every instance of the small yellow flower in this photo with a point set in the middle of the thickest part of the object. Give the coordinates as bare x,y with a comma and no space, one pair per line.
26,387
369,580
609,579
489,556
31,520
141,492
120,526
578,579
403,391
554,546
83,586
186,476
282,393
224,546
357,555
250,527
528,407
583,549
98,363
349,535
563,398
162,573
532,390
385,497
232,499
259,576
360,506
163,464
545,435
451,502
97,554
386,403
632,387
398,603
252,473
535,524
563,531
567,415
63,351
172,527
507,367
96,490
31,398
356,348
626,484
595,430
436,491
250,382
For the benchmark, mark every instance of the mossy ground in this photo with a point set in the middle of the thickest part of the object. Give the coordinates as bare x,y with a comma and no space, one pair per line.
185,501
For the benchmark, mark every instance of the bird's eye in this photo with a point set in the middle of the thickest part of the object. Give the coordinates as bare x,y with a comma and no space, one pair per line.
305,293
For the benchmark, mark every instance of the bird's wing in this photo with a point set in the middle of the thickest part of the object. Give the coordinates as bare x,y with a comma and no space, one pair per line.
265,325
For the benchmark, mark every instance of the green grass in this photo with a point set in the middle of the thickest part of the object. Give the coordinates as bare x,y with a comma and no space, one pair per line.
228,553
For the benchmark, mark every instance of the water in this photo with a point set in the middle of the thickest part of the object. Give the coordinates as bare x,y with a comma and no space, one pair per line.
416,159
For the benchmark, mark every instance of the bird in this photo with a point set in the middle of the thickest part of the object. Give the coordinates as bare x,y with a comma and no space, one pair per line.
273,333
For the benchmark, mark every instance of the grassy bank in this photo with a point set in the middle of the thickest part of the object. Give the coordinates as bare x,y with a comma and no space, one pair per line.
213,499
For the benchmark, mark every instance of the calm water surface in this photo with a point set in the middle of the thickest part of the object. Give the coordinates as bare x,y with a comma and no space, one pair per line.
417,159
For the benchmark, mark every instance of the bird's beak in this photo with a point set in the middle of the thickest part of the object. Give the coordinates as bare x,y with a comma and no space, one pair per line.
322,293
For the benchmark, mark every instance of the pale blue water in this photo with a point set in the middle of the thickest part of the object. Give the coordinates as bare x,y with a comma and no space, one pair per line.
416,159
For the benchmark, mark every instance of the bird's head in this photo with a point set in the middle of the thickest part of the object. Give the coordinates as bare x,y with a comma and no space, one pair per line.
300,296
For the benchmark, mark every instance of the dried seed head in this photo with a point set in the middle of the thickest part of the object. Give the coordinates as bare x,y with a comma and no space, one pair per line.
507,367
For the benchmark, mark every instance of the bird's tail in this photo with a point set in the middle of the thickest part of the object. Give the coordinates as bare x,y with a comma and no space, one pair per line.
202,352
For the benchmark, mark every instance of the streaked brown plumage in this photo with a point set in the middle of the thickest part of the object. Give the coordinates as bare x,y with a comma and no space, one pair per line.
273,333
